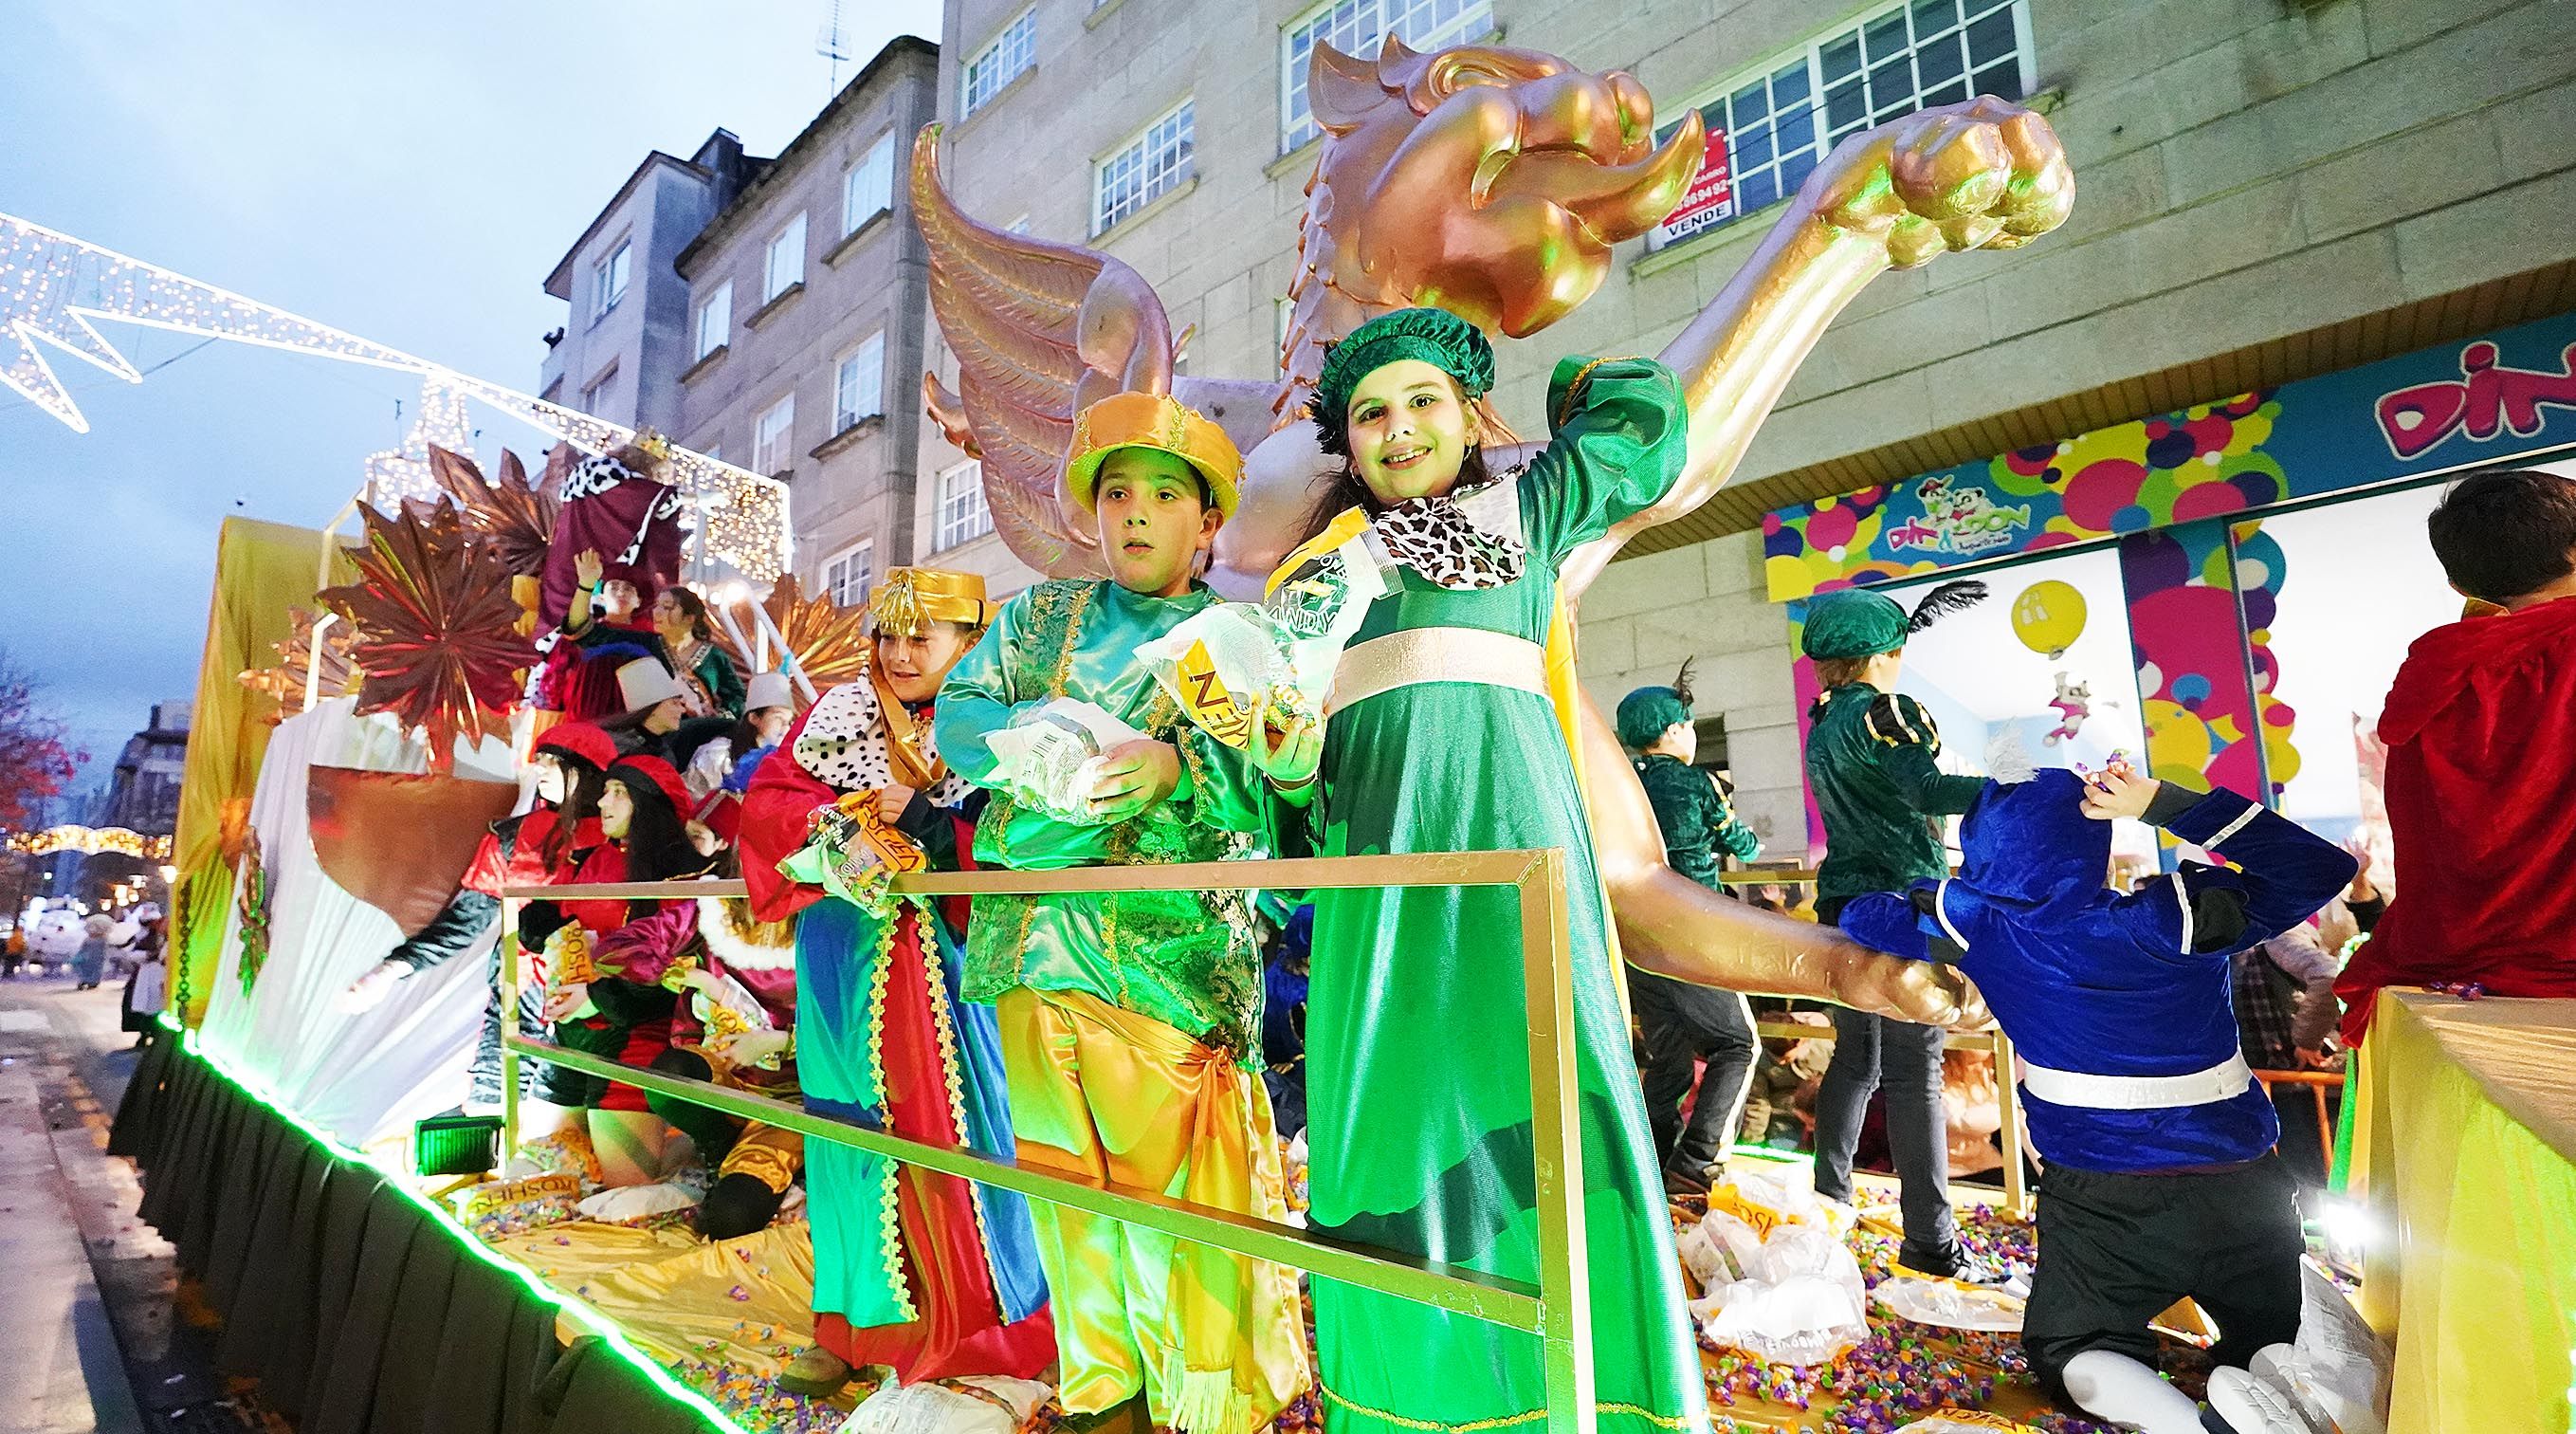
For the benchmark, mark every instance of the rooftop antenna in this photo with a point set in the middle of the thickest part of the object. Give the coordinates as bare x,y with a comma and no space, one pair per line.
833,44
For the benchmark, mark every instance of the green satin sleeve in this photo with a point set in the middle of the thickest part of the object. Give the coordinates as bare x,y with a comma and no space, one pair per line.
1619,433
979,698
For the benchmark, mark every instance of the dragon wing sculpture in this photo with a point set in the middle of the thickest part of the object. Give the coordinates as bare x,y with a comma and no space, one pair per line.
1493,182
1039,330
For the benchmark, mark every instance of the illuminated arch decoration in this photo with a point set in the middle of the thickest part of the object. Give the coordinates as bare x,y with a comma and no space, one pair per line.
91,841
52,286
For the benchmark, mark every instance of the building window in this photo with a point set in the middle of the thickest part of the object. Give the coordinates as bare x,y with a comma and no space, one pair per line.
786,262
847,576
608,279
858,385
1013,53
715,321
595,394
773,438
962,514
1360,27
1144,169
1782,119
868,189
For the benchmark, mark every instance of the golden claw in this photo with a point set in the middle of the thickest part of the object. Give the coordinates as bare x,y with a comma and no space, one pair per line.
1985,174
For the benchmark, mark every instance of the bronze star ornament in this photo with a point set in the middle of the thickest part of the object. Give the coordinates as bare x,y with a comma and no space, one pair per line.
434,627
336,677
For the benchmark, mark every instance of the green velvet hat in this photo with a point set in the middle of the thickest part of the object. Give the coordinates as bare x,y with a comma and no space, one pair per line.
1435,336
1853,622
1649,712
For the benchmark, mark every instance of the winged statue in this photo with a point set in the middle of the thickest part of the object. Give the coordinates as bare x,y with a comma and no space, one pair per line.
1493,183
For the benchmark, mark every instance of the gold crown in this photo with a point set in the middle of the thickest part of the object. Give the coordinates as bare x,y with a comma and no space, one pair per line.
652,445
910,599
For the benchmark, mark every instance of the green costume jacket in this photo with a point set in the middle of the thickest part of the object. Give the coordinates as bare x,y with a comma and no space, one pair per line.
1187,959
1696,820
1870,764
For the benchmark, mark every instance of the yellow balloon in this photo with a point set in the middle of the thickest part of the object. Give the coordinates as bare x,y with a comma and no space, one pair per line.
2048,617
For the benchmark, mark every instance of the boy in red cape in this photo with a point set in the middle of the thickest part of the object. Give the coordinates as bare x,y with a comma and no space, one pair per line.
918,1271
2481,734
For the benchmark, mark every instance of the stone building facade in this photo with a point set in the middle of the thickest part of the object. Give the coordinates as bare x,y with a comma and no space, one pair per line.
807,302
2266,190
625,339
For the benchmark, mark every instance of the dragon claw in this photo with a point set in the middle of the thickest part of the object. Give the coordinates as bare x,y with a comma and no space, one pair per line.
1986,174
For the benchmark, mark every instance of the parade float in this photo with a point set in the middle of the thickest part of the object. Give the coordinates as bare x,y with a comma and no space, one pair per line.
367,712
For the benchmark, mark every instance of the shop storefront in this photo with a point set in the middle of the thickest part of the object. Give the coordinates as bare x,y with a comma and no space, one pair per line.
2228,589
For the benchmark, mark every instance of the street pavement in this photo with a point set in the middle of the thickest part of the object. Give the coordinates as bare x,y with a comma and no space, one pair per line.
93,1315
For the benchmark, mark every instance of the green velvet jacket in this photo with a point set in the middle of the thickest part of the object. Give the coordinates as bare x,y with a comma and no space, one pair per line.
1695,817
1870,764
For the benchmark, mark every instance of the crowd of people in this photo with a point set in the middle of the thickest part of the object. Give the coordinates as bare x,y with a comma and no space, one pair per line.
1160,1040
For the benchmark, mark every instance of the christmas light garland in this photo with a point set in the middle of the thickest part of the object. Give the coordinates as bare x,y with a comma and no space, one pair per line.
52,285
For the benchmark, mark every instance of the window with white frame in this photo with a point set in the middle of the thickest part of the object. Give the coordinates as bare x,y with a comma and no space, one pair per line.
773,435
608,278
868,189
786,260
1013,53
595,394
962,514
1144,169
849,573
714,322
858,383
1782,119
1360,27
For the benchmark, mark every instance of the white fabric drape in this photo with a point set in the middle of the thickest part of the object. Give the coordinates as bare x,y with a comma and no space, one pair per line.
366,1076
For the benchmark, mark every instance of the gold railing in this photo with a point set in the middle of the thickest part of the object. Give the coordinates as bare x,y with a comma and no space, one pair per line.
2010,1134
1557,1308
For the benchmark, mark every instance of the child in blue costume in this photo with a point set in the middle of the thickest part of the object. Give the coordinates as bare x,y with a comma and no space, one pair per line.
2161,1180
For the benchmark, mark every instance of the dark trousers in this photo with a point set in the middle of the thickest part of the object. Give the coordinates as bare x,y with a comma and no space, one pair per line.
1871,1052
1683,1025
2116,1249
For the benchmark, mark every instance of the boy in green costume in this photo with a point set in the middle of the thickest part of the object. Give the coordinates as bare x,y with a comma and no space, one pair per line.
1130,1022
1685,1025
1871,766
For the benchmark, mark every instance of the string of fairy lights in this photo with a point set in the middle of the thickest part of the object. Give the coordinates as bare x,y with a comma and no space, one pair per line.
53,285
90,841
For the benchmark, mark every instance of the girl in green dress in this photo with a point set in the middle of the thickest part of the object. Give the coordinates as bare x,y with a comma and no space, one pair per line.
1443,737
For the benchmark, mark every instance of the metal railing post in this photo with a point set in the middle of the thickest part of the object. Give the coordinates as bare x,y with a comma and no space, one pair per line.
508,936
2016,1184
1556,1129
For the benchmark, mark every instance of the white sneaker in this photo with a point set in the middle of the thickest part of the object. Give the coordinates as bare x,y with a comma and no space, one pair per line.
2251,1405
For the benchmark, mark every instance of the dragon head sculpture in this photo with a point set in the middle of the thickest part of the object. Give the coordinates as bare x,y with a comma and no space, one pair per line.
1486,181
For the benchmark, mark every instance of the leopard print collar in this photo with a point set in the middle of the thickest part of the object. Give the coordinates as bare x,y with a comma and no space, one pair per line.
1462,542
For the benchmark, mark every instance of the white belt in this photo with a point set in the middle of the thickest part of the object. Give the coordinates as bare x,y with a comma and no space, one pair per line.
1437,654
2223,1081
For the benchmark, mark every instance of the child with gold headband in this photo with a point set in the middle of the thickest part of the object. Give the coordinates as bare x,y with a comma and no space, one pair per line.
1130,1021
922,1272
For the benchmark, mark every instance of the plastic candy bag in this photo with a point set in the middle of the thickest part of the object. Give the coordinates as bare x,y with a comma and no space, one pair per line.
1045,756
1800,1301
973,1406
1274,659
1966,1421
1950,1304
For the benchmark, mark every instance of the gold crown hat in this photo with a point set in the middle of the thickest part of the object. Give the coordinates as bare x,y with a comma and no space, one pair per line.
1161,422
910,599
650,443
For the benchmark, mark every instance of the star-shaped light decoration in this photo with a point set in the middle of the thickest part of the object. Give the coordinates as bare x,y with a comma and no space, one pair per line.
436,635
52,285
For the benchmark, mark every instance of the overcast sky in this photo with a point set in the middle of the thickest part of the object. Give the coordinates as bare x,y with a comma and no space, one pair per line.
408,173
